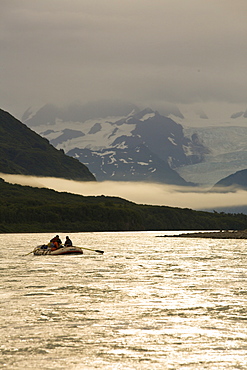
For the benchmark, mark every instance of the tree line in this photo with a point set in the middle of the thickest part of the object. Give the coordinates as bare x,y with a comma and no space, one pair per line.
29,209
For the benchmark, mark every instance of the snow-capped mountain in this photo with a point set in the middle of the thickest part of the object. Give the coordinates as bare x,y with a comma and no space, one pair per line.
122,142
140,146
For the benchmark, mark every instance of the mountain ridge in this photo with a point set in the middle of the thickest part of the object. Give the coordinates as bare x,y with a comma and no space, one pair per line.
23,151
237,180
216,144
143,138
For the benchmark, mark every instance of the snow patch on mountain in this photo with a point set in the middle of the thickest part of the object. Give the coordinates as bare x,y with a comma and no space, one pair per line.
209,114
147,116
172,140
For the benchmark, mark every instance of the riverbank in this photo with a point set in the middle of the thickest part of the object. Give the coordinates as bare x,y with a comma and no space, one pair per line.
226,234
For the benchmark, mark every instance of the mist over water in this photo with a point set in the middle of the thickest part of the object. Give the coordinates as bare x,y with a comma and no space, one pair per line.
139,192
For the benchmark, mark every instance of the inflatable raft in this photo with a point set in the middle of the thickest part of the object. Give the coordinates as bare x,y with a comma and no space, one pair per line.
42,250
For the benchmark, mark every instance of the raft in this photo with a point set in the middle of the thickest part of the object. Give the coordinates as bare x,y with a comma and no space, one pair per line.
45,250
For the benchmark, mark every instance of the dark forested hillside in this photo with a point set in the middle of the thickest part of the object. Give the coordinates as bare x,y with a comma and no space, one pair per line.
28,209
22,151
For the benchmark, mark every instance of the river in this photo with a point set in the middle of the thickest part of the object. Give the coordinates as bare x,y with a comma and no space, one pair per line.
146,303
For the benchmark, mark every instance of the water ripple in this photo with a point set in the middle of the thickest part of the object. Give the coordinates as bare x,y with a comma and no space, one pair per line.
147,303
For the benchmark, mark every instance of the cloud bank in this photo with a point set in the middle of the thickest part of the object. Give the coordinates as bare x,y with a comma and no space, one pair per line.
147,52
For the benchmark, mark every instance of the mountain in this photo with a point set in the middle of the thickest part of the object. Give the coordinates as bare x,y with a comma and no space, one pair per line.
22,151
237,180
77,112
140,145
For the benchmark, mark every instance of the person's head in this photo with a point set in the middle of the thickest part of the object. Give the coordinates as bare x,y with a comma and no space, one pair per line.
67,237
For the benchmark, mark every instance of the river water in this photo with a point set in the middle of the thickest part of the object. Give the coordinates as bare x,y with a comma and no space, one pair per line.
147,303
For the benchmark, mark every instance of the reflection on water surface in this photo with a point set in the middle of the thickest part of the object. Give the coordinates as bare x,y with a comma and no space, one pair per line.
147,303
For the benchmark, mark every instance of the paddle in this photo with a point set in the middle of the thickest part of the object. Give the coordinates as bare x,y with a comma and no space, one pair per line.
93,250
27,254
30,252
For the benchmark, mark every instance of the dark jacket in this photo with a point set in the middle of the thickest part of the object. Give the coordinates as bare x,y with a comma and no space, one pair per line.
68,242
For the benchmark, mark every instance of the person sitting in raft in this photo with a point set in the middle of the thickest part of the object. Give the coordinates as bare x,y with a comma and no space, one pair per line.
68,242
55,243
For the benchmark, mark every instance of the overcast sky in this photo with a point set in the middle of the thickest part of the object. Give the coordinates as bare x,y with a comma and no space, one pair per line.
148,52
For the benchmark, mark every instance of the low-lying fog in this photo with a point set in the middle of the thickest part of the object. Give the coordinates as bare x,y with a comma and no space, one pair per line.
139,192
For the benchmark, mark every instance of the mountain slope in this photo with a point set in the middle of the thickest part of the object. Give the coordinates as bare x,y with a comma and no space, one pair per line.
22,151
236,180
137,163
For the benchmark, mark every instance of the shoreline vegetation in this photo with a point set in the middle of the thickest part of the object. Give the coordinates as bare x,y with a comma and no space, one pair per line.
26,209
223,234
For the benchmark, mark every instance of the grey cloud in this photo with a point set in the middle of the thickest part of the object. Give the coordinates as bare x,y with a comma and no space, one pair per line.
166,50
